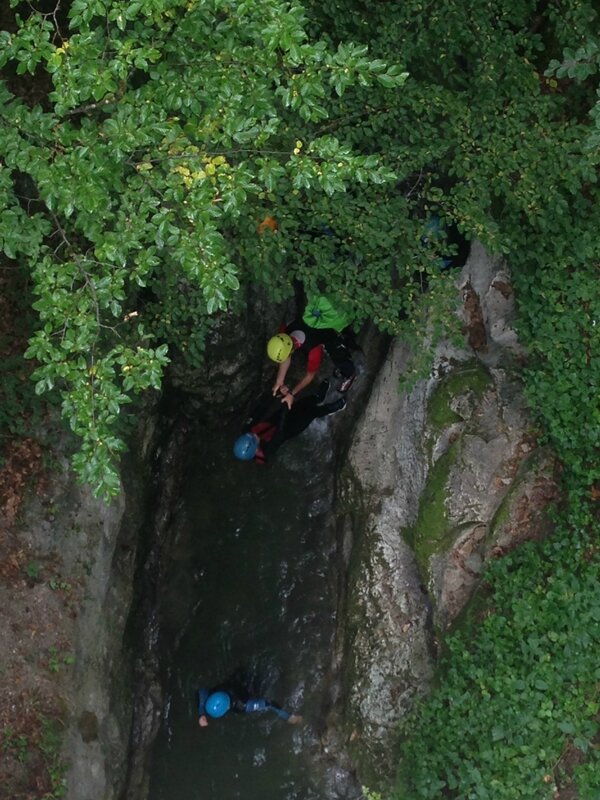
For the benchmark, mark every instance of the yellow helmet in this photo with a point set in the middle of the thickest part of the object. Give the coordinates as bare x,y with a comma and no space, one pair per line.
279,347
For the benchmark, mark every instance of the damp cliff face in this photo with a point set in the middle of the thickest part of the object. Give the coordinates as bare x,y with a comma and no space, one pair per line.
234,358
206,502
81,562
436,481
439,480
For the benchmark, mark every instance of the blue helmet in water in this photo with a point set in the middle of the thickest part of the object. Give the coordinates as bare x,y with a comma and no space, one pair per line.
217,704
245,446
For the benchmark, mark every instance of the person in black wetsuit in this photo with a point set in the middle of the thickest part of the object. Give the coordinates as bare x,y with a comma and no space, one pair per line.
216,703
300,338
271,423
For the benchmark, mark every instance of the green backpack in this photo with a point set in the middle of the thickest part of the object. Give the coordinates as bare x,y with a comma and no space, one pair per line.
320,312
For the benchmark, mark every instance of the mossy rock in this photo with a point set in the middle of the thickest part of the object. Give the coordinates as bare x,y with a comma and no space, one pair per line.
470,378
528,467
431,532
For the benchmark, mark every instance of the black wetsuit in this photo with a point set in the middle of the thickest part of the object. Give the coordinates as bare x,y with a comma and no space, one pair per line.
274,423
333,342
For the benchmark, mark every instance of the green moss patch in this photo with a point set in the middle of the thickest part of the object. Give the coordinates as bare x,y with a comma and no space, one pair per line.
431,532
471,378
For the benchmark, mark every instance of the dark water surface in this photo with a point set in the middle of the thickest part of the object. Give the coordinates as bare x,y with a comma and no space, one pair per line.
249,589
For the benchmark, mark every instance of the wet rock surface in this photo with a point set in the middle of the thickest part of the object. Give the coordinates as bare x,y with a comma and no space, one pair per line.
78,600
234,360
178,600
436,481
441,479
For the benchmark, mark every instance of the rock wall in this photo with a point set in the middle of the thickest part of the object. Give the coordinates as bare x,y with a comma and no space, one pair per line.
439,479
86,550
242,357
95,564
234,358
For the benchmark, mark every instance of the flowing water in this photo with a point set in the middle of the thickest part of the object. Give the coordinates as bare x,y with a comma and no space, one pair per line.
249,591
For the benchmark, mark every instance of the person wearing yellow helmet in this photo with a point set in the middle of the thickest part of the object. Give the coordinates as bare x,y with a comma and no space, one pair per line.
296,337
312,343
280,347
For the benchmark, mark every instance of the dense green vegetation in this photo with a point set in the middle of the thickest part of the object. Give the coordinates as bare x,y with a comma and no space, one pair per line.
512,142
142,144
517,711
505,145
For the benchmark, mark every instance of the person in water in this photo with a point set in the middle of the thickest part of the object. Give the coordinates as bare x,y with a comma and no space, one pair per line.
216,703
300,340
271,423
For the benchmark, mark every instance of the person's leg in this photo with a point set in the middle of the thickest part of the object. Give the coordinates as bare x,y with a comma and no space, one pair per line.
321,392
331,408
303,412
301,415
341,356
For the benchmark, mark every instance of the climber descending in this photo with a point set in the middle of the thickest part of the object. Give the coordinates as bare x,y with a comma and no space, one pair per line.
271,423
318,331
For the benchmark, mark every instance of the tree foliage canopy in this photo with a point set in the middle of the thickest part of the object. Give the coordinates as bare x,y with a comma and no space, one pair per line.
143,142
132,188
499,121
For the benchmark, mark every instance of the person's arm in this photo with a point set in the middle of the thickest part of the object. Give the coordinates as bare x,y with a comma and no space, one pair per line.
281,373
262,409
306,380
315,359
269,445
261,704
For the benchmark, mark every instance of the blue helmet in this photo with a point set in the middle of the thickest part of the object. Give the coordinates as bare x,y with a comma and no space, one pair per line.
217,704
245,446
